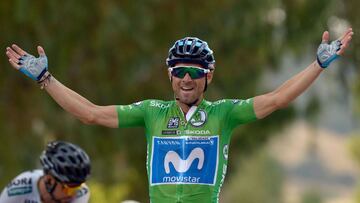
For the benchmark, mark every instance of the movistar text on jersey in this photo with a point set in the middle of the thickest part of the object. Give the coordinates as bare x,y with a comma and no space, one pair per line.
180,179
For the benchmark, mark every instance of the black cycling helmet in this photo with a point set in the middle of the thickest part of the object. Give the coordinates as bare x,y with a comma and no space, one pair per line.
191,50
67,162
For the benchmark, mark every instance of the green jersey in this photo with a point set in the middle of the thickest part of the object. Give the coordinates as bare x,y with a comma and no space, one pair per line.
186,154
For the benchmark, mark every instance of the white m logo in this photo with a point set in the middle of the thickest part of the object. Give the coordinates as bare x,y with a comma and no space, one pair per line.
181,165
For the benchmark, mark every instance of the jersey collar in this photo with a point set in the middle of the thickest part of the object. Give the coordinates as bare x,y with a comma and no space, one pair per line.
192,111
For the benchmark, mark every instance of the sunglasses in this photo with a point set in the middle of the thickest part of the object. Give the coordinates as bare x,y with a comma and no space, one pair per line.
70,189
194,72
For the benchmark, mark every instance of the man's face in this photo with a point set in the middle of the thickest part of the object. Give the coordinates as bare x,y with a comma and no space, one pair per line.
186,89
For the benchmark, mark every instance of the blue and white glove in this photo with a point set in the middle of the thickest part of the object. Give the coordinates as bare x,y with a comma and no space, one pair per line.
327,53
35,68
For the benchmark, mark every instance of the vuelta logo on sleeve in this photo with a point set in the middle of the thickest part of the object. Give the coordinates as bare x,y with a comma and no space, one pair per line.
186,160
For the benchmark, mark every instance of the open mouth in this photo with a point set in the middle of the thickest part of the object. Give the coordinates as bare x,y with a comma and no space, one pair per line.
186,88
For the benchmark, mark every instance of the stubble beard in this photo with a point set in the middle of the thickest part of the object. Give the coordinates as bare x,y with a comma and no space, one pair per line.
189,100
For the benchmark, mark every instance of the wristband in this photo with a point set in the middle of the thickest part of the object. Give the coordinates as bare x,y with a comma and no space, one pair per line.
45,80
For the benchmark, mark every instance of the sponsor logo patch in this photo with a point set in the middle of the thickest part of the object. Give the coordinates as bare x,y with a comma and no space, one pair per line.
199,119
169,132
19,190
173,122
184,160
20,182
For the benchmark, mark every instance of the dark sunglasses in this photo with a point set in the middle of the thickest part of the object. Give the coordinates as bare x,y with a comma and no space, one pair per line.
194,72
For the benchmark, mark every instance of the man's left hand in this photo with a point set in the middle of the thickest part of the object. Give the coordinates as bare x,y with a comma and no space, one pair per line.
327,53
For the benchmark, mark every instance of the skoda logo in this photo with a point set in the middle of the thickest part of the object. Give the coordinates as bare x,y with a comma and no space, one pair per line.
198,119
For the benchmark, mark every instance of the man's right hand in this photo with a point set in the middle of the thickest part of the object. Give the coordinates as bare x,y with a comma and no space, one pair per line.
35,68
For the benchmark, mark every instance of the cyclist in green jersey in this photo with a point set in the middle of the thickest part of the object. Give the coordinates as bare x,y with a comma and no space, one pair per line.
187,138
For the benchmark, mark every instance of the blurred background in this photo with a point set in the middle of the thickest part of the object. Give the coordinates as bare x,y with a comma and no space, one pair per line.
113,52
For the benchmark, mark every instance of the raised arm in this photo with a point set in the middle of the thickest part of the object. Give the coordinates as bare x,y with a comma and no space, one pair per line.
69,100
267,103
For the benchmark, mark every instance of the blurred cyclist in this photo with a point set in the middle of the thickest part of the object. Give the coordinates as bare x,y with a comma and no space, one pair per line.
65,168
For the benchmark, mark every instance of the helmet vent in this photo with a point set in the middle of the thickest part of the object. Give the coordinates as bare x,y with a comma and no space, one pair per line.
61,159
196,49
72,159
80,158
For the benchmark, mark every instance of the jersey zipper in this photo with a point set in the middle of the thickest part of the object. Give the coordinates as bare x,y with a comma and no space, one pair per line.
184,126
183,116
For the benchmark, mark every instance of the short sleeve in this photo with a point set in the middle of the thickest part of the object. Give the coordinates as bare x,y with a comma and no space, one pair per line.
132,115
241,112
